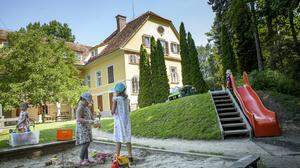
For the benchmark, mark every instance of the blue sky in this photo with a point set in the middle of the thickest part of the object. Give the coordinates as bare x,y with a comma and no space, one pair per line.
92,21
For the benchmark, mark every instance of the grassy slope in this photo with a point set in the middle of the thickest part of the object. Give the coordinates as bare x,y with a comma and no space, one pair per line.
47,132
191,117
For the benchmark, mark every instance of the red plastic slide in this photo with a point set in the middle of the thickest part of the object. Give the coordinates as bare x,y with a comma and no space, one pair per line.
263,121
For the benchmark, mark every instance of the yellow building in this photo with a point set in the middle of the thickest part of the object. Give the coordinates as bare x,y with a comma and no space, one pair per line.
116,59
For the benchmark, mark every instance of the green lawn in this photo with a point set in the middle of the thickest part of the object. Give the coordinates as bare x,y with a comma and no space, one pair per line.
47,132
190,118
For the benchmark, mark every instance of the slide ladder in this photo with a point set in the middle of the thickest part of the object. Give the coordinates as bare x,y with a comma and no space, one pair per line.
232,121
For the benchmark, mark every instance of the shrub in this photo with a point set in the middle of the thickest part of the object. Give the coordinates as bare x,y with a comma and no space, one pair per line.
274,81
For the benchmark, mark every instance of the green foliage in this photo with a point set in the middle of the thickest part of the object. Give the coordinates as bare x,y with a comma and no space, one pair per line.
53,28
274,81
191,117
228,56
195,74
38,69
185,62
160,83
240,20
145,84
286,106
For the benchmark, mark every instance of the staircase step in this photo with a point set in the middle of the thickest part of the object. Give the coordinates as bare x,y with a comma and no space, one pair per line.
236,132
220,94
224,105
231,119
231,109
221,97
229,114
223,101
234,125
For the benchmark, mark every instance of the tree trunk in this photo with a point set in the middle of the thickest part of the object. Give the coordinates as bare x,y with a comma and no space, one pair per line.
268,20
256,37
294,33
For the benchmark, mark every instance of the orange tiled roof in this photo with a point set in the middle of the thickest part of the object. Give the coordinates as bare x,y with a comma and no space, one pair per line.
117,39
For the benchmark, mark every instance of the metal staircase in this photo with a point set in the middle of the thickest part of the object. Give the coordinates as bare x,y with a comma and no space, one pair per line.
232,121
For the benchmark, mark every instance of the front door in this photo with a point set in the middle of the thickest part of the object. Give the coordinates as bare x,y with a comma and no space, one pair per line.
110,99
100,103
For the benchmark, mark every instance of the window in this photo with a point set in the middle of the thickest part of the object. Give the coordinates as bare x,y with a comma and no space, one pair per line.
87,80
174,48
146,41
135,85
165,46
174,75
110,74
78,56
98,78
133,59
94,52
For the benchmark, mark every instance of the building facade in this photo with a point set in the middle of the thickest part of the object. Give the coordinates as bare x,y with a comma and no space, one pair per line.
116,59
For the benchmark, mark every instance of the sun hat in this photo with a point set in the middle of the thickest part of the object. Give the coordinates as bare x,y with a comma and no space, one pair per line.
88,97
119,87
228,71
24,106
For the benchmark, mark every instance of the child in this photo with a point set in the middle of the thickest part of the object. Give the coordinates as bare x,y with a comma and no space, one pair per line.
84,120
228,79
122,126
23,120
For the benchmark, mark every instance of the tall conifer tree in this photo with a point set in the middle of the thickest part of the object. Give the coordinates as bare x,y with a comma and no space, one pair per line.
145,86
228,57
185,62
196,76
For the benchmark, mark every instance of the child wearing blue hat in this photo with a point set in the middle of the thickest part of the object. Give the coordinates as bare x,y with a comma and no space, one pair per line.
122,126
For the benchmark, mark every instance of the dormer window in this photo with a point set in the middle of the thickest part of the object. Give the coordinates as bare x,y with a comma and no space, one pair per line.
146,41
94,52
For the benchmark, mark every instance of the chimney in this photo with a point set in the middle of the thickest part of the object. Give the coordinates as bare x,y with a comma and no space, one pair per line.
121,22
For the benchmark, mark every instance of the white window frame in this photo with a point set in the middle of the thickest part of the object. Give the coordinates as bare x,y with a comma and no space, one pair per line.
172,49
97,79
136,59
5,43
143,40
86,81
176,78
108,74
135,90
94,52
166,48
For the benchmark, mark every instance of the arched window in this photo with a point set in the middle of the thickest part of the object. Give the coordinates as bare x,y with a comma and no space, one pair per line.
135,85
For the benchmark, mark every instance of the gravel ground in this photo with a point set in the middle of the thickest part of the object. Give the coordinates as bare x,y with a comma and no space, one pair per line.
272,155
144,158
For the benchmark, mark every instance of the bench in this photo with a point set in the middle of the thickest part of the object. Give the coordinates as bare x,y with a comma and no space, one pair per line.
11,121
249,161
62,118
